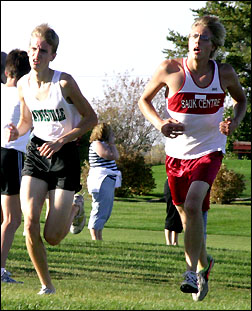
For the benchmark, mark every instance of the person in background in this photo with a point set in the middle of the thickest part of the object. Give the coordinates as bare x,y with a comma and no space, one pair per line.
103,177
173,224
3,60
195,135
12,155
53,104
3,80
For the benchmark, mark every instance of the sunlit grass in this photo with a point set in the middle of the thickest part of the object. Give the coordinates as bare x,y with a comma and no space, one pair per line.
133,269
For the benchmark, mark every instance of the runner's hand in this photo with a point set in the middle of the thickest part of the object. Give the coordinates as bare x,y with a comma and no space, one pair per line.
11,132
172,128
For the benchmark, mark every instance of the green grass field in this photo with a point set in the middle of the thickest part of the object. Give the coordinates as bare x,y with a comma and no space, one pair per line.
133,269
239,166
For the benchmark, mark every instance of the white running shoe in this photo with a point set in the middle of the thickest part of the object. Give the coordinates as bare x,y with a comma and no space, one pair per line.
46,291
203,277
79,220
189,285
5,278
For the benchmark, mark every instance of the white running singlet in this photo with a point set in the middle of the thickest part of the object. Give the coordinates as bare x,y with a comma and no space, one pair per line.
201,111
54,116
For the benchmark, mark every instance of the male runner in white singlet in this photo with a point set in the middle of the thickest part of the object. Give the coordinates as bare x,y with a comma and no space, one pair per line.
53,104
12,155
195,135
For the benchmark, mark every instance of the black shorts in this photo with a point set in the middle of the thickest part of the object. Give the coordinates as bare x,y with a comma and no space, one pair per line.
172,220
61,171
11,165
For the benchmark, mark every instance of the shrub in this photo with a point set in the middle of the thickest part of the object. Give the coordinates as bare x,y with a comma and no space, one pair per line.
84,175
137,178
227,186
156,155
83,145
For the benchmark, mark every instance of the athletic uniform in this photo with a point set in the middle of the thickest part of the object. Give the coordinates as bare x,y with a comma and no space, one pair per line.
12,153
197,153
52,118
102,180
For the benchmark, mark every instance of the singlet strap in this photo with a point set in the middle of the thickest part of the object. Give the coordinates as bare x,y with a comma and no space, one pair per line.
56,76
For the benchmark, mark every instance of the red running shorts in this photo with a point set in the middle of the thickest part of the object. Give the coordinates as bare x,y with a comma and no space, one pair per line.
181,173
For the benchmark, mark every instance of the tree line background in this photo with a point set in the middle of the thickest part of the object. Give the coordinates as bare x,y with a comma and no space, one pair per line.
136,138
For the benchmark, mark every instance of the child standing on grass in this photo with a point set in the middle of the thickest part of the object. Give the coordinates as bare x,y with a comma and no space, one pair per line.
103,177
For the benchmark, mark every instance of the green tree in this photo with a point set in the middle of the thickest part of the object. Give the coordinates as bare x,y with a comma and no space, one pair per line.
236,18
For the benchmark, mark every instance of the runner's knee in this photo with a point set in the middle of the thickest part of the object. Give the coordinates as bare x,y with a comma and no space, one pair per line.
53,238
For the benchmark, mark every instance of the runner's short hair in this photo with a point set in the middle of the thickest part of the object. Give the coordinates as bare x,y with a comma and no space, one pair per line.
46,32
216,27
17,64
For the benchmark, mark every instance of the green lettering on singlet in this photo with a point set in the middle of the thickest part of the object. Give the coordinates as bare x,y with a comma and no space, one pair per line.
62,115
53,115
48,115
34,115
40,112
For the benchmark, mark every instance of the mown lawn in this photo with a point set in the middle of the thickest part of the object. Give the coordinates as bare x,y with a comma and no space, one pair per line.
238,166
133,269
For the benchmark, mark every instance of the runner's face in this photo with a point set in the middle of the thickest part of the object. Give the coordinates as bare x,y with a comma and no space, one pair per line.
200,42
40,54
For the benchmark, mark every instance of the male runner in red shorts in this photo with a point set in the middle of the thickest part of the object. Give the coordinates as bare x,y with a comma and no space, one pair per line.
195,134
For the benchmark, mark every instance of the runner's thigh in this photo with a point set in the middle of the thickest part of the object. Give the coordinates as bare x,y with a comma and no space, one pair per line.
197,192
32,195
60,209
